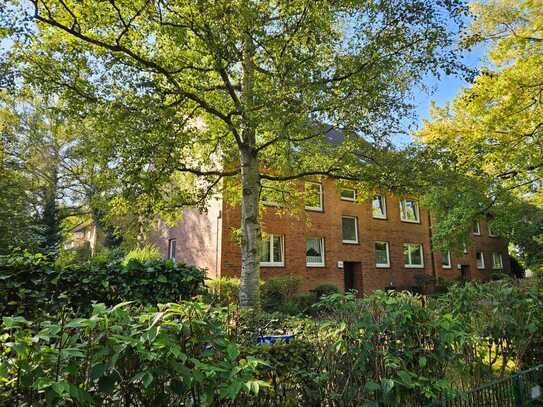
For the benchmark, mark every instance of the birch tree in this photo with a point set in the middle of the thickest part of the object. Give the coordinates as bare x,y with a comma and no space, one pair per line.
239,89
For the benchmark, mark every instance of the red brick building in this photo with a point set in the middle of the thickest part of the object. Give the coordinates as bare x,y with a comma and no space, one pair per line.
375,244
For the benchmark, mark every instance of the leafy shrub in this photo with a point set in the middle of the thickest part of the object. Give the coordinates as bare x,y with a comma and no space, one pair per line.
143,254
225,290
324,289
177,356
31,284
278,291
384,349
505,321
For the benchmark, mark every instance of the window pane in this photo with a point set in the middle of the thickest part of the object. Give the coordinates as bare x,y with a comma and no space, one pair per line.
446,259
172,249
271,193
379,206
277,249
480,260
476,228
314,251
416,255
349,229
497,261
381,253
406,254
409,211
265,254
348,194
312,195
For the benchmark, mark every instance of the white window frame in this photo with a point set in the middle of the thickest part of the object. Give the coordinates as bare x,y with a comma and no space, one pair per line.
478,231
495,256
323,262
344,198
172,256
490,232
449,262
482,266
403,218
382,265
355,229
275,263
411,265
384,215
321,207
268,203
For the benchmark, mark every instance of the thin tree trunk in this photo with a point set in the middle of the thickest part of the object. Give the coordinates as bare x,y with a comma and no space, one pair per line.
249,295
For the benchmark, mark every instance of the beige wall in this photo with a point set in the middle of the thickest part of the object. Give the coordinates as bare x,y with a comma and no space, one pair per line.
197,235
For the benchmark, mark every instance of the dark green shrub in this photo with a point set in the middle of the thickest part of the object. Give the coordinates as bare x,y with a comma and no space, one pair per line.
177,356
31,284
324,289
276,292
224,290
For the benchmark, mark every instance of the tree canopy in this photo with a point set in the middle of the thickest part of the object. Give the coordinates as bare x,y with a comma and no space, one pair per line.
185,93
491,134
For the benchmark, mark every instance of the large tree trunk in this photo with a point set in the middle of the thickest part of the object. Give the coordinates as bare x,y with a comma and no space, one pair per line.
249,295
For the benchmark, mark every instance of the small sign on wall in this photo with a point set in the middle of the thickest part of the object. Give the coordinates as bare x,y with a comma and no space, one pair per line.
339,264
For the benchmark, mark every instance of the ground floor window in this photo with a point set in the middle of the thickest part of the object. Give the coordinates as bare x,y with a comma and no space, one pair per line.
272,251
480,257
446,260
497,261
413,255
314,254
382,255
172,249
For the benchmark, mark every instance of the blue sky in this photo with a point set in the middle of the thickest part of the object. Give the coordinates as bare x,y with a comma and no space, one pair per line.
441,90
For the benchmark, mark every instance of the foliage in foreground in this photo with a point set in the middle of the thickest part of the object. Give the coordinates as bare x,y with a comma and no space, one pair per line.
383,349
31,284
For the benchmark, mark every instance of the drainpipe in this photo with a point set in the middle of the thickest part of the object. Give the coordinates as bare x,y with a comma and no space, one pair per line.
219,216
432,247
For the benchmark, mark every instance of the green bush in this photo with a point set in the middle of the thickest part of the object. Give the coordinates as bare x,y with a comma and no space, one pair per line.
143,254
31,284
177,356
385,349
324,289
224,290
278,292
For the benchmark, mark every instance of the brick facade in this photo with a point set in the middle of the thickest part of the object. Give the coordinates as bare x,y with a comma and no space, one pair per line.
358,258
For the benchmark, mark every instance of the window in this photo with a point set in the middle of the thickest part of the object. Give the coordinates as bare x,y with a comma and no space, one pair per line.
272,251
476,228
348,194
446,260
480,257
314,252
382,255
349,229
172,248
409,211
412,253
313,196
497,262
271,195
379,207
491,233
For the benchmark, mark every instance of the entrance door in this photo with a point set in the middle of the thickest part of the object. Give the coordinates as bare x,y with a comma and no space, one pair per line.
352,276
348,276
465,273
